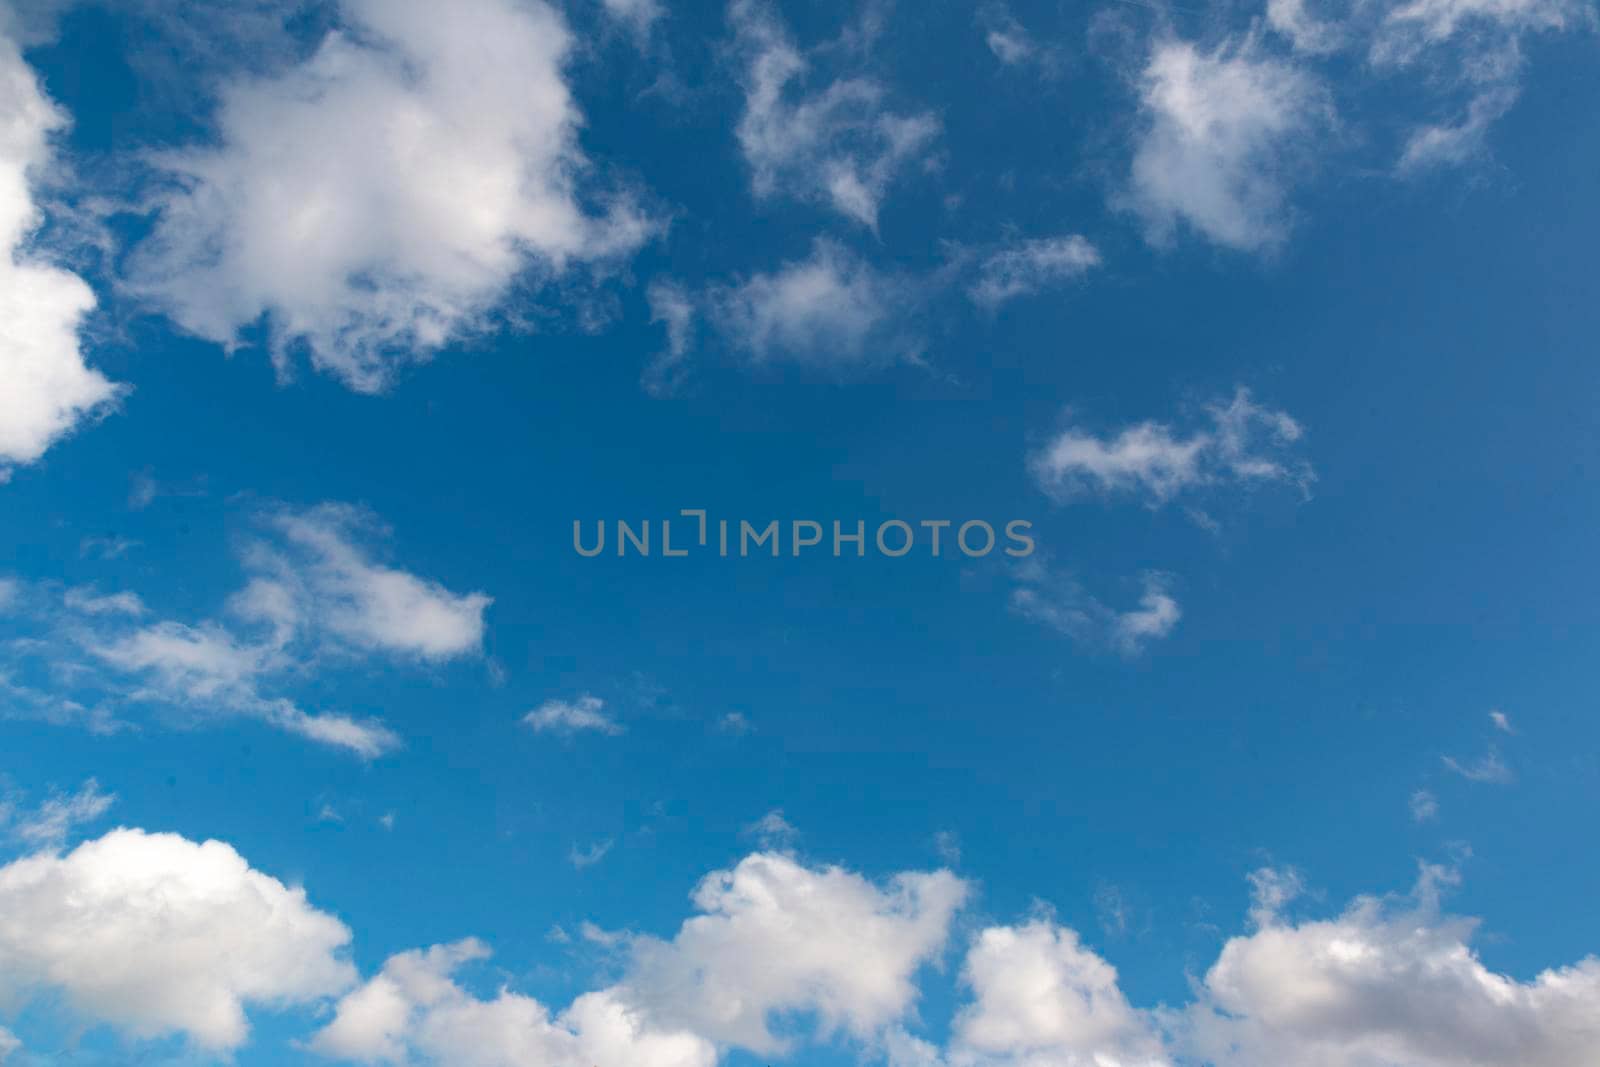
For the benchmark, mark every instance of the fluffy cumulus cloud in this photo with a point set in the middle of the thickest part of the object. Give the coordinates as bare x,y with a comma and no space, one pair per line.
380,199
839,144
414,1009
778,937
1223,134
46,388
1387,982
774,938
317,595
829,310
157,935
1240,442
1056,599
1031,266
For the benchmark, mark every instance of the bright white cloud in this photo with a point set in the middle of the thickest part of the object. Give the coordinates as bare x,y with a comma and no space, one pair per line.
1031,266
1059,601
838,145
776,937
832,309
379,200
156,935
1502,722
46,389
1243,443
570,717
1224,133
414,1010
1386,982
1042,999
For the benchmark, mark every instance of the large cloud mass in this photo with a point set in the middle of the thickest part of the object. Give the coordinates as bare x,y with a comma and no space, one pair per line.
378,200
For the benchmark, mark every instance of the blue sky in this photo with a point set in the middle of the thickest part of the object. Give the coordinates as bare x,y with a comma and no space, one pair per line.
322,324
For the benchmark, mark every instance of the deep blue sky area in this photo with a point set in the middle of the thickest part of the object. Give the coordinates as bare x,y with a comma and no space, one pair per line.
1289,668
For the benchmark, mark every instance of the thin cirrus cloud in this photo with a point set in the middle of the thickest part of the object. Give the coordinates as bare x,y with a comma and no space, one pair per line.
838,145
380,199
316,595
49,824
49,388
1237,442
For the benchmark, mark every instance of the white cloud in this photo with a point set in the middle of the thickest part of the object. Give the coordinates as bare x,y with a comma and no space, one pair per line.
1224,133
779,938
414,1010
774,938
90,602
156,935
671,305
1386,982
49,825
1410,27
9,1043
46,389
1455,143
570,717
314,594
331,581
1244,444
838,145
832,309
637,15
1488,768
588,857
1424,806
1005,36
1502,722
774,831
1031,266
1305,30
379,200
1042,999
1057,600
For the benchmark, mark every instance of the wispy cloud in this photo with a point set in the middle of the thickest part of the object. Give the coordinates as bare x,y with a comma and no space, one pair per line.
587,713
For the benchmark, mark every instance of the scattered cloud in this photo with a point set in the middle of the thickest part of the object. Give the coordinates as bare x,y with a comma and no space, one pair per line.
87,601
1502,722
107,548
830,310
1059,601
1424,806
316,595
773,831
583,859
570,717
48,826
837,145
1224,134
1242,443
380,199
1305,29
50,390
1031,266
155,935
735,722
1488,768
673,307
638,15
